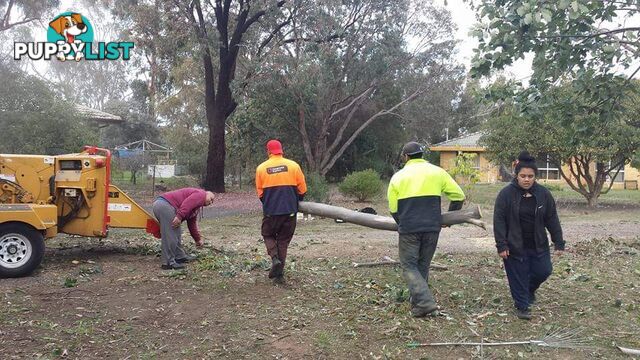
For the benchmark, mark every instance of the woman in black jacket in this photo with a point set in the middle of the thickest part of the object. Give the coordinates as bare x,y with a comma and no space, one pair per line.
524,210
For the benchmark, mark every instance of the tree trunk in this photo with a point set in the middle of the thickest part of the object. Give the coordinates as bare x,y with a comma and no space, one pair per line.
470,215
214,178
220,105
592,200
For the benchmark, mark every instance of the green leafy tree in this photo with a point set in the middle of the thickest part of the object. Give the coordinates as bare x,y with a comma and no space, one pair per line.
591,43
570,133
345,66
566,36
635,162
34,119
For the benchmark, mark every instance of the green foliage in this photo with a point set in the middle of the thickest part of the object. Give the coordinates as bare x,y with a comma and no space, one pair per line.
554,187
190,147
363,185
566,36
464,168
35,120
635,162
70,282
465,173
328,98
592,44
136,126
568,128
317,188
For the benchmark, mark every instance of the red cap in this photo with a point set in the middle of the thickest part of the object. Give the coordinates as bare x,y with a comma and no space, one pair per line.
274,147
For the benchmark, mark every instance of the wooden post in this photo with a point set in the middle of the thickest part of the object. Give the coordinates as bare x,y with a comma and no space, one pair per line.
153,183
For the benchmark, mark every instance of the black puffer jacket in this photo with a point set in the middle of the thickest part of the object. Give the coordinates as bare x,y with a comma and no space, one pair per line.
506,220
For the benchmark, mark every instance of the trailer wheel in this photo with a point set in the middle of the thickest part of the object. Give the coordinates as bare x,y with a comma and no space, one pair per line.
21,250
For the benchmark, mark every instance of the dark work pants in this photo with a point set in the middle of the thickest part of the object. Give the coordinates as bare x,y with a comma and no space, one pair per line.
277,231
416,252
526,274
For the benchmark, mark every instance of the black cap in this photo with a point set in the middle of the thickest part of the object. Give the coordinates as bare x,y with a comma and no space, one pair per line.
412,148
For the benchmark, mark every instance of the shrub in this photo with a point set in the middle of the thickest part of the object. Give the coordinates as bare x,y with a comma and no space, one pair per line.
465,173
362,184
553,187
317,188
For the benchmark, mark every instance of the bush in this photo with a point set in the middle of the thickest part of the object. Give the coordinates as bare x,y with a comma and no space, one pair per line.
553,187
465,173
362,184
317,188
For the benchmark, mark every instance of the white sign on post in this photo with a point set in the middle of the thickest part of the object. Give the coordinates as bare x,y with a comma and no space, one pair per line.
162,171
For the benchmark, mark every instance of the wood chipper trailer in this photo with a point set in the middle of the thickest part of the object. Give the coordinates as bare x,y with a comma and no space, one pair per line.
41,196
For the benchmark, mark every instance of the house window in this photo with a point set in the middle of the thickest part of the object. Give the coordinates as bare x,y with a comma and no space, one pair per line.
476,161
620,177
547,170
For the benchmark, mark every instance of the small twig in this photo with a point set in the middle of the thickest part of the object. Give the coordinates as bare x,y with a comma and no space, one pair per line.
64,298
65,293
375,263
433,266
276,339
474,343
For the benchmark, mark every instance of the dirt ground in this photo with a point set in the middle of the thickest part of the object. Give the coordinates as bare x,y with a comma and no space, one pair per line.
109,299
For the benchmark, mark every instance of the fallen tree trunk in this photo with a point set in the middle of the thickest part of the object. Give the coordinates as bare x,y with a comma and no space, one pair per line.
469,215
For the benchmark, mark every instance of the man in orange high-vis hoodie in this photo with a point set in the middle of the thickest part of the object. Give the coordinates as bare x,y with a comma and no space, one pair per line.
280,185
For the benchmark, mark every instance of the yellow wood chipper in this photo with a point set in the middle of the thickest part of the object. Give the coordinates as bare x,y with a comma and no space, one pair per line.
41,196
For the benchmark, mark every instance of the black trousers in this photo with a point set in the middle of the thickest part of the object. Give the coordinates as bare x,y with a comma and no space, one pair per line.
526,274
277,231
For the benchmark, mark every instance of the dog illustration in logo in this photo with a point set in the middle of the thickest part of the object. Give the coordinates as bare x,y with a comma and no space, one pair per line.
69,27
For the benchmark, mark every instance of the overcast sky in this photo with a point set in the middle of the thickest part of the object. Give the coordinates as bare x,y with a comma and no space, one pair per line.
462,15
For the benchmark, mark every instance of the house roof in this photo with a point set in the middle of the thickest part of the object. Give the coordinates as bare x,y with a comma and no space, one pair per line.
468,142
97,115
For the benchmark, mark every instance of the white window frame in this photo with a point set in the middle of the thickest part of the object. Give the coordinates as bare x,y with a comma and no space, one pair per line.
476,161
548,167
619,178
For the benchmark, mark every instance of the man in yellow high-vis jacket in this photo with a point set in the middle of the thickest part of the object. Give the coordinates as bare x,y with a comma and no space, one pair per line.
414,202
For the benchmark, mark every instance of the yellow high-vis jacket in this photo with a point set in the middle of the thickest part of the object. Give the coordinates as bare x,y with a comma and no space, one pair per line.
414,196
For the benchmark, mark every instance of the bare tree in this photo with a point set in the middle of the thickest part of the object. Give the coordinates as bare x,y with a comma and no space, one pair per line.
344,66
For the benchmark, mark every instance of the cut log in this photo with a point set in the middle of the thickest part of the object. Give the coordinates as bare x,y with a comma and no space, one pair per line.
470,215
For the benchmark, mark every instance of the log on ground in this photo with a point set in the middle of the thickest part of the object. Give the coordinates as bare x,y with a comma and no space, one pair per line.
470,215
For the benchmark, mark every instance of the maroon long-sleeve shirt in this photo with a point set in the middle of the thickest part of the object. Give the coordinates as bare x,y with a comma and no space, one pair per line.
187,202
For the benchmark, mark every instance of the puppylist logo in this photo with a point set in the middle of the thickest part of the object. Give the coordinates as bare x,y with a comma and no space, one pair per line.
70,37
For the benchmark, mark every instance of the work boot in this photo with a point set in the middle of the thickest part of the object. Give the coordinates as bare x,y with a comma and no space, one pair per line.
523,314
275,266
419,311
532,298
176,266
186,259
278,280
